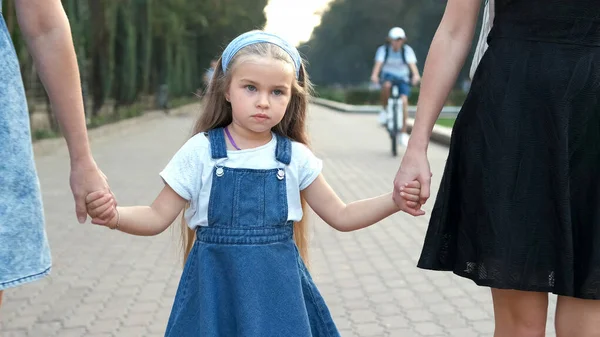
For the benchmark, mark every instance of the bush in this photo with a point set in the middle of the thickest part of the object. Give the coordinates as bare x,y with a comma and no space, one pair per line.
130,111
332,94
121,113
43,134
100,120
414,96
456,98
185,100
364,96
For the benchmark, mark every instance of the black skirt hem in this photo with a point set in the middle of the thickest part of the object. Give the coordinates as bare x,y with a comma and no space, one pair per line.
501,285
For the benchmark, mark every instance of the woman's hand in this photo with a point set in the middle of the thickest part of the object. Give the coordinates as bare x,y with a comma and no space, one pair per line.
414,166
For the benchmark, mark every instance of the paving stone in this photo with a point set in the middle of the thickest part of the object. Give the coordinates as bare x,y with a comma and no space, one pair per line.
106,283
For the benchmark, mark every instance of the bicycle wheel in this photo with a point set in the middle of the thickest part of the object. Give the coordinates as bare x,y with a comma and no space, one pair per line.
394,130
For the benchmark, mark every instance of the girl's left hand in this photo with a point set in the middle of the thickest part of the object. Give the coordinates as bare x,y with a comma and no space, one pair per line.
411,193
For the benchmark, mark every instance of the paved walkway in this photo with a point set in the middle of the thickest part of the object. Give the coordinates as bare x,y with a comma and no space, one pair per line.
106,283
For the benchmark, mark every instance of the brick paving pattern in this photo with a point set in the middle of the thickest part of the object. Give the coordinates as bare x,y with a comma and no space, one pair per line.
106,283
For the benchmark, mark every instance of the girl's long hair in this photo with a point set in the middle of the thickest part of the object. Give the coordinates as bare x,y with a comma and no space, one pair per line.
217,113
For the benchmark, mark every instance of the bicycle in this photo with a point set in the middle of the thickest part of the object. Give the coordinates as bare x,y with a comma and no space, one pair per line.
392,121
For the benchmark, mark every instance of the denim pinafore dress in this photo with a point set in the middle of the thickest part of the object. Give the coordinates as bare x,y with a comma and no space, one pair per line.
24,250
244,275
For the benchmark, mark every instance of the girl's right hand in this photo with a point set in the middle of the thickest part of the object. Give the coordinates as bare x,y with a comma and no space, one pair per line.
101,206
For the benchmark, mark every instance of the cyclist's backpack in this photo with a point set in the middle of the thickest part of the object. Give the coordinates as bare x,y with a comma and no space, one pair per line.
387,50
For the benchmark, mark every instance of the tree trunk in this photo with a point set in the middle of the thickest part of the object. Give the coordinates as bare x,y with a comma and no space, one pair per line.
146,35
119,48
99,55
130,55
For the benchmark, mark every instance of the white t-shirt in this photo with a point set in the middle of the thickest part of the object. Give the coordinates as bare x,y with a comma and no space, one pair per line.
395,64
189,173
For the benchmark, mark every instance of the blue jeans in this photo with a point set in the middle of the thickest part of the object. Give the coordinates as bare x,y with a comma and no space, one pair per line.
403,85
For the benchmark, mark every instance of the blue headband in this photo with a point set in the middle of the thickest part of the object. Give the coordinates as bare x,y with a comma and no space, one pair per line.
257,36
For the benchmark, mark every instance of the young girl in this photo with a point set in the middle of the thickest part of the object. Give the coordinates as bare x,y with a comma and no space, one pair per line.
240,176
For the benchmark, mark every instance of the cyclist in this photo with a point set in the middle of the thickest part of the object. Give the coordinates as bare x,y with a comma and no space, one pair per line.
395,62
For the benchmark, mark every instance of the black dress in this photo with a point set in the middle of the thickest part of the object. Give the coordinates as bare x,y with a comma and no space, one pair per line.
519,202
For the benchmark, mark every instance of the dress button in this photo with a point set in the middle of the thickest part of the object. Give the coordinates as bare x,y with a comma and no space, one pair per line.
280,174
220,172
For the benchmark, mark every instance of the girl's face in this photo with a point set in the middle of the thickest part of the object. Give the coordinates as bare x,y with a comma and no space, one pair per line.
259,93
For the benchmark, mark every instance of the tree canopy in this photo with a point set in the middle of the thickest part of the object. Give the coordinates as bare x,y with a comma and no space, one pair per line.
342,48
128,48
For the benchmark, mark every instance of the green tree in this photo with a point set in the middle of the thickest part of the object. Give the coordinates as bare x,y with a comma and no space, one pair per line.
127,48
342,48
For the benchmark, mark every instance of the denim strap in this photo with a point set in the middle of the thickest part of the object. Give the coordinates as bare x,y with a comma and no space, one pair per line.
218,147
283,151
